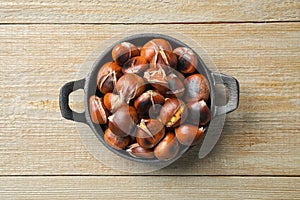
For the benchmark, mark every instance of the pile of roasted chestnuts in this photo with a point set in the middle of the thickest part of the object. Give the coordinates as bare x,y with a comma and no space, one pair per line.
151,100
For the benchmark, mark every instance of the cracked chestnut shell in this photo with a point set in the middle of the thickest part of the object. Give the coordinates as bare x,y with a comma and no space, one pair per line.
123,52
149,99
164,58
98,112
157,78
107,77
187,60
123,121
130,86
167,148
135,150
153,47
189,135
196,88
136,65
115,141
173,112
176,86
149,133
199,113
112,102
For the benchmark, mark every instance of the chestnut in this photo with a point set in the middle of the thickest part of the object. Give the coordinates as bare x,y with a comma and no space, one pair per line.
136,65
130,86
157,78
115,141
199,113
107,77
112,102
123,52
173,112
98,112
135,150
164,58
167,148
188,134
187,60
147,100
154,47
149,133
176,86
123,121
196,88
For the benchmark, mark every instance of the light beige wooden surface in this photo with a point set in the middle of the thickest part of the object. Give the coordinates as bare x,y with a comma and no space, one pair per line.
43,45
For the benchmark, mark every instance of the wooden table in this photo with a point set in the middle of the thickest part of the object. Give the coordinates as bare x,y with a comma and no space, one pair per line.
44,43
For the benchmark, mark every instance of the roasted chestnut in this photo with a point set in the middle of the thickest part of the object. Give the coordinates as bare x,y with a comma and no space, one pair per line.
112,102
130,86
149,99
155,47
136,65
123,121
167,148
123,52
196,88
176,86
107,77
164,58
188,134
115,141
199,113
173,112
149,133
157,78
187,60
98,111
135,150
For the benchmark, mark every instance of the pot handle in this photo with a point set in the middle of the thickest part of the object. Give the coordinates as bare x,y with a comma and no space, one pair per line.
65,109
233,87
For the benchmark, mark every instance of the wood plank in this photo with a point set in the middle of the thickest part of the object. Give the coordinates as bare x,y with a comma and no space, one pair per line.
154,11
260,138
146,187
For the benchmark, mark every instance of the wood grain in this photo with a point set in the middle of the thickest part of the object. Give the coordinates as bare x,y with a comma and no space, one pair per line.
260,138
154,11
146,187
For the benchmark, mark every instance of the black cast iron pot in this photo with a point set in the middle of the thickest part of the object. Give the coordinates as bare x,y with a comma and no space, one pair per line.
88,84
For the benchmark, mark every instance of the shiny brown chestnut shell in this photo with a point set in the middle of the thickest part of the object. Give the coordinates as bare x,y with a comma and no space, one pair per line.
123,52
196,88
130,86
115,141
167,148
112,102
199,113
157,78
107,77
135,150
152,48
149,133
136,65
164,58
176,86
149,99
189,135
123,121
173,112
187,60
98,112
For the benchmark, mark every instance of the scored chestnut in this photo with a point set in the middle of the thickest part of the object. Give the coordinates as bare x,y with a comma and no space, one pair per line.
130,86
157,78
112,102
115,141
199,113
123,52
149,133
136,65
107,77
98,112
149,100
135,150
176,86
164,58
187,60
196,88
189,135
173,112
123,121
167,148
155,47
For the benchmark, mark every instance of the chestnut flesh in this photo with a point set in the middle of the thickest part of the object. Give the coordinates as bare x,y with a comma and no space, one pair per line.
173,112
167,148
98,112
